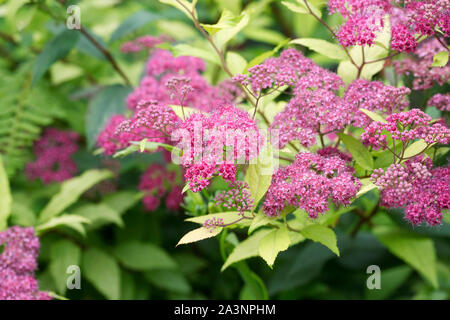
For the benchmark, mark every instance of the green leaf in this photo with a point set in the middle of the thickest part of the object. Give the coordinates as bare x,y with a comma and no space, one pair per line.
122,201
259,174
143,256
416,148
199,234
22,214
5,197
99,215
183,49
63,254
127,151
391,280
440,59
71,190
300,7
261,219
273,243
359,152
133,23
69,220
367,185
235,62
54,50
323,47
103,272
416,250
171,280
265,55
108,102
322,234
224,35
372,115
226,20
246,249
187,7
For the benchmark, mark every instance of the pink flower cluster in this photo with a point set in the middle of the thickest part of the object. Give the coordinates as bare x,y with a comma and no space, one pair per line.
310,182
17,265
374,96
405,126
157,182
237,197
163,70
144,42
53,153
425,75
422,190
440,101
364,20
316,106
216,143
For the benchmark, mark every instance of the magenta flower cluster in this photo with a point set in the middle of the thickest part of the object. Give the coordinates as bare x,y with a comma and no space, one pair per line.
54,151
440,101
237,197
144,42
364,19
406,126
217,142
425,75
17,265
157,182
414,185
310,183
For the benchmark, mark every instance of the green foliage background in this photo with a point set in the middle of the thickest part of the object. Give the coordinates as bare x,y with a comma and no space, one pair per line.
50,76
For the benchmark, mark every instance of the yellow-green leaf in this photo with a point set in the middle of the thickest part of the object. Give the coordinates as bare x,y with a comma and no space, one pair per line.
5,197
323,47
273,243
199,234
322,234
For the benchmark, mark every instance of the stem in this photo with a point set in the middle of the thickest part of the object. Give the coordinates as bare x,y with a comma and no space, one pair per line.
331,31
364,220
103,50
441,42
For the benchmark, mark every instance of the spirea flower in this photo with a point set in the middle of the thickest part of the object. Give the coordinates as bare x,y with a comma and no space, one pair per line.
237,197
54,151
402,39
144,42
157,182
425,75
213,144
17,265
374,96
310,183
406,126
414,185
440,101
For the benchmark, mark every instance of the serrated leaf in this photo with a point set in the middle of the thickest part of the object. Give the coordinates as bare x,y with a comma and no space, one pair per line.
68,220
183,49
235,62
132,23
246,249
224,35
99,215
300,7
54,50
71,190
63,254
322,234
261,219
323,47
142,256
259,174
416,250
185,6
108,102
103,272
199,234
367,185
416,148
359,152
273,243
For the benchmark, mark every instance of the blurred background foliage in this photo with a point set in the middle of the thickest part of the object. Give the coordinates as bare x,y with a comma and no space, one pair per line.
76,87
